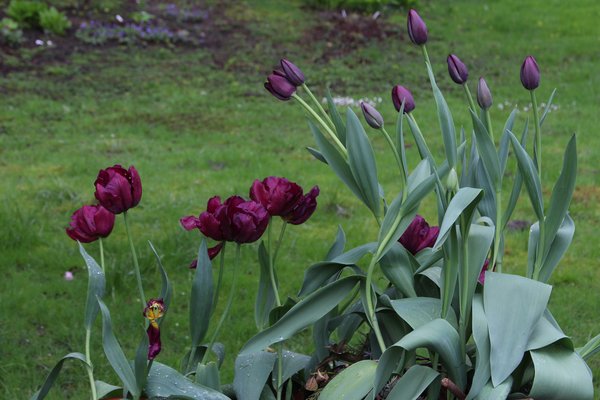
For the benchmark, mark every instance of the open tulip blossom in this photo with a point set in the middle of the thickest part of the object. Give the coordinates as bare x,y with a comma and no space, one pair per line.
419,235
154,310
89,223
118,189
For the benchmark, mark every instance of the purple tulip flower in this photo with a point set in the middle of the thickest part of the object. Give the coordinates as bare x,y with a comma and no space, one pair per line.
417,30
401,94
279,86
419,235
292,72
372,116
118,189
530,73
89,223
212,253
303,210
284,198
457,69
484,96
154,310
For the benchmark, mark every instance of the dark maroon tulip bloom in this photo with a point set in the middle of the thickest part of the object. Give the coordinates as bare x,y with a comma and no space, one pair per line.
530,73
278,195
401,94
293,73
303,209
236,220
372,116
155,309
90,223
417,30
118,189
457,69
279,86
212,253
419,235
484,96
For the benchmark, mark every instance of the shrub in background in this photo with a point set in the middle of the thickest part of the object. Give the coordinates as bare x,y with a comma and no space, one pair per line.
26,13
54,21
10,33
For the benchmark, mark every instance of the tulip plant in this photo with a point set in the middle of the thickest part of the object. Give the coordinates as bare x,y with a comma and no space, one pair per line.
443,320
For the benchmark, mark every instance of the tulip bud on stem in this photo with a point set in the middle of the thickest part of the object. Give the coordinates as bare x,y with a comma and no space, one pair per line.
324,125
319,106
136,266
227,307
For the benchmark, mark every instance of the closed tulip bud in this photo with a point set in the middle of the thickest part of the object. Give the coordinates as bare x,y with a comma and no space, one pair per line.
372,116
452,181
484,96
118,189
401,94
457,69
417,30
292,72
530,73
90,223
279,86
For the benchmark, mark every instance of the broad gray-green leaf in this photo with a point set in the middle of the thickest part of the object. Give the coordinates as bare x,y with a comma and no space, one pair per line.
555,253
306,312
96,285
560,374
547,332
251,373
487,151
424,151
561,193
265,296
591,347
462,205
421,172
500,392
104,390
419,311
292,363
445,119
201,296
412,383
482,344
547,108
353,383
316,154
51,378
517,184
208,375
437,335
115,354
337,248
510,322
336,161
340,129
140,362
397,268
165,382
362,161
530,177
505,140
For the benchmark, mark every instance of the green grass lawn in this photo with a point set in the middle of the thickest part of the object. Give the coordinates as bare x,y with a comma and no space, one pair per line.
195,129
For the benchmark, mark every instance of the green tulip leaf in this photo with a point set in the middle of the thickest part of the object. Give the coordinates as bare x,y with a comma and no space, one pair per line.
505,140
55,372
462,205
115,354
556,250
337,248
140,362
353,383
487,151
397,267
419,311
482,345
591,348
413,383
265,296
208,375
292,363
445,120
478,244
362,162
165,382
500,392
547,108
510,323
96,287
560,373
530,177
201,297
106,390
517,182
305,313
166,291
547,332
251,373
340,129
316,154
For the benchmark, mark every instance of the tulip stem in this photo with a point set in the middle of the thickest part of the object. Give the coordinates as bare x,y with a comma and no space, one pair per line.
319,106
136,265
488,121
537,150
272,264
371,315
89,367
331,134
398,160
425,54
101,255
219,279
279,370
469,97
228,306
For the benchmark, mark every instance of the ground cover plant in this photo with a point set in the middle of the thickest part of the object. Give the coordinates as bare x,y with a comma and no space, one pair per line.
138,129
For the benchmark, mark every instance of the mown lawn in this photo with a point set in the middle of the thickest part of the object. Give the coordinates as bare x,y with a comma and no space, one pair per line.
195,128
